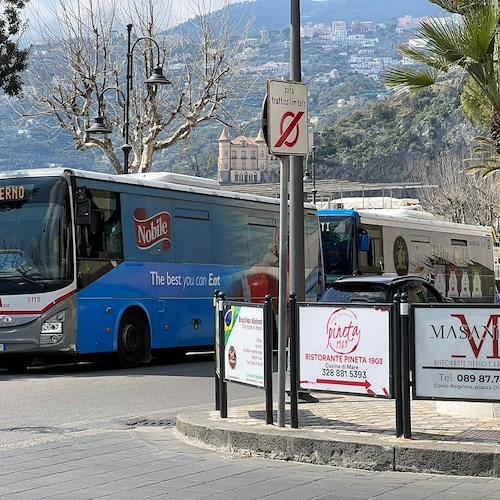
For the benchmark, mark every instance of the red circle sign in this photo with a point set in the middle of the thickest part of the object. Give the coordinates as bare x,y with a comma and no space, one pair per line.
343,331
289,114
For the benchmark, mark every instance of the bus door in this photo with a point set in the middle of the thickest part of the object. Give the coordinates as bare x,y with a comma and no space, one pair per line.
372,261
101,277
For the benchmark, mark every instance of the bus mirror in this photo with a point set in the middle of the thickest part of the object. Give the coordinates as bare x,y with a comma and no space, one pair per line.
82,211
364,241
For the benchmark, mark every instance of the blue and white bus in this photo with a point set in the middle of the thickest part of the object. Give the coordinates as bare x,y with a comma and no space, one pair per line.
457,258
96,264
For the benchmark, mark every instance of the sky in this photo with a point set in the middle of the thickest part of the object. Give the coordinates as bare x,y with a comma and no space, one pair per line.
39,12
183,8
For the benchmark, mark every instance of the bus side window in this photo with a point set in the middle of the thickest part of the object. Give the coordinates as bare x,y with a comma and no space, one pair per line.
95,241
114,240
102,237
113,231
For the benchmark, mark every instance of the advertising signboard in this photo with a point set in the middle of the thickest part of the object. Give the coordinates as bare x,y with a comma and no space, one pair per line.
457,353
345,349
244,344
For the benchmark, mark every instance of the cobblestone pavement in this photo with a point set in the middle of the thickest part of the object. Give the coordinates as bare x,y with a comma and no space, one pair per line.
157,463
356,431
375,417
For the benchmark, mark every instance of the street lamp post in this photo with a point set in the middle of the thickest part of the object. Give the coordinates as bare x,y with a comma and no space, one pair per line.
156,78
311,175
313,148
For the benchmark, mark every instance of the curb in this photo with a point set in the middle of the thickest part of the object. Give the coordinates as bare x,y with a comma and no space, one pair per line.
359,452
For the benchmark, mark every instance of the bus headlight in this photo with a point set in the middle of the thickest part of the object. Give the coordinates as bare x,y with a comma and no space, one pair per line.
51,331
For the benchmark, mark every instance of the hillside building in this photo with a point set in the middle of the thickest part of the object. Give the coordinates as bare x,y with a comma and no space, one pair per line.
245,161
339,30
407,23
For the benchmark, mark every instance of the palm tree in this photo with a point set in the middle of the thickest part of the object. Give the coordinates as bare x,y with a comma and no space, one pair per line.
471,43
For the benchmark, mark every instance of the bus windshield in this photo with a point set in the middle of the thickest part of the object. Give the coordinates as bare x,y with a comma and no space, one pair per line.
337,234
36,238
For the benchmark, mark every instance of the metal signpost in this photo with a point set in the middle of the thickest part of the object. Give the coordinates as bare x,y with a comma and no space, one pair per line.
286,130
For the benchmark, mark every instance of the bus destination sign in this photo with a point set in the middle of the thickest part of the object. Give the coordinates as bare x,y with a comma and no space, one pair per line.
16,193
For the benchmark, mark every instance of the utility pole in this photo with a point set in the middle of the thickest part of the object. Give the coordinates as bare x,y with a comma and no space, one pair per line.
297,257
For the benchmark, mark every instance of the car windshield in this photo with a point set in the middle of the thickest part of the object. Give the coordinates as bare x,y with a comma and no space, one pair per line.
357,292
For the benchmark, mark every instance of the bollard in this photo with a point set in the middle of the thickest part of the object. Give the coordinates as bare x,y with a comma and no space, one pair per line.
268,357
396,360
216,345
294,412
222,384
405,367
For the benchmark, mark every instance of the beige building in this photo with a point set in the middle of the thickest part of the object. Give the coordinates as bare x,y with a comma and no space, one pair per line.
245,161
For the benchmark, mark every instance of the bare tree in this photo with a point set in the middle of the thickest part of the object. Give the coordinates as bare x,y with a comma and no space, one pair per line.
458,195
81,68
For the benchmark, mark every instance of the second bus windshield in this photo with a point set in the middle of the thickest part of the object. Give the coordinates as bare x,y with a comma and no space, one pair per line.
338,244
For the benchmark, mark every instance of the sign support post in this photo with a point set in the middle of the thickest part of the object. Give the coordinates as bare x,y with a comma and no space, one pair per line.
268,357
282,294
294,363
396,359
405,367
217,347
286,125
222,382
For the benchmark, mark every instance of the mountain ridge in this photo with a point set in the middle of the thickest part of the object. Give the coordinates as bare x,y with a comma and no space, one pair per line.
275,14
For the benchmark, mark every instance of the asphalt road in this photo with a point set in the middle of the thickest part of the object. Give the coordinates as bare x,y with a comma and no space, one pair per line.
48,403
90,432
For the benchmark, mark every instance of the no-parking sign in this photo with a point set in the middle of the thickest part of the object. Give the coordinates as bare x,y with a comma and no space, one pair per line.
287,119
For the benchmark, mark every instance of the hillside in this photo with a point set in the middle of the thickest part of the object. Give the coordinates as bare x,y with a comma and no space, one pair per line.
275,14
38,141
398,140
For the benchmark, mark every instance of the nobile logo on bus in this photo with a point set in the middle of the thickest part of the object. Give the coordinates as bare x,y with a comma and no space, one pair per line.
151,230
343,331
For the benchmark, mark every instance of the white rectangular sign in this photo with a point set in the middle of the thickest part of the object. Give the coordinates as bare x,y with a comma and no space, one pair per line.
244,344
457,353
287,118
345,349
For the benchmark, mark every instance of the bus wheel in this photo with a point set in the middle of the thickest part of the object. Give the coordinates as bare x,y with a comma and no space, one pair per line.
131,340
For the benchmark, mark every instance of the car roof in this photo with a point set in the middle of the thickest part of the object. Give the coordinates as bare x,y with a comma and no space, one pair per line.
380,280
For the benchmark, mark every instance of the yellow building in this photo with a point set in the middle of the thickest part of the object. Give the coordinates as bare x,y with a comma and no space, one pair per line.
245,161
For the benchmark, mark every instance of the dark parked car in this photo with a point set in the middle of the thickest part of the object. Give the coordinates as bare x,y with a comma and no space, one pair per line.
381,289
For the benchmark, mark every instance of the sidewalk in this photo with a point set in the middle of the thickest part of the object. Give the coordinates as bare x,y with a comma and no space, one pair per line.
358,432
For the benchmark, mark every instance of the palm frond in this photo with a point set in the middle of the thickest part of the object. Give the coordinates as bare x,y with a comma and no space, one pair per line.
422,56
461,7
411,79
451,6
478,32
443,39
483,170
487,141
486,161
487,82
